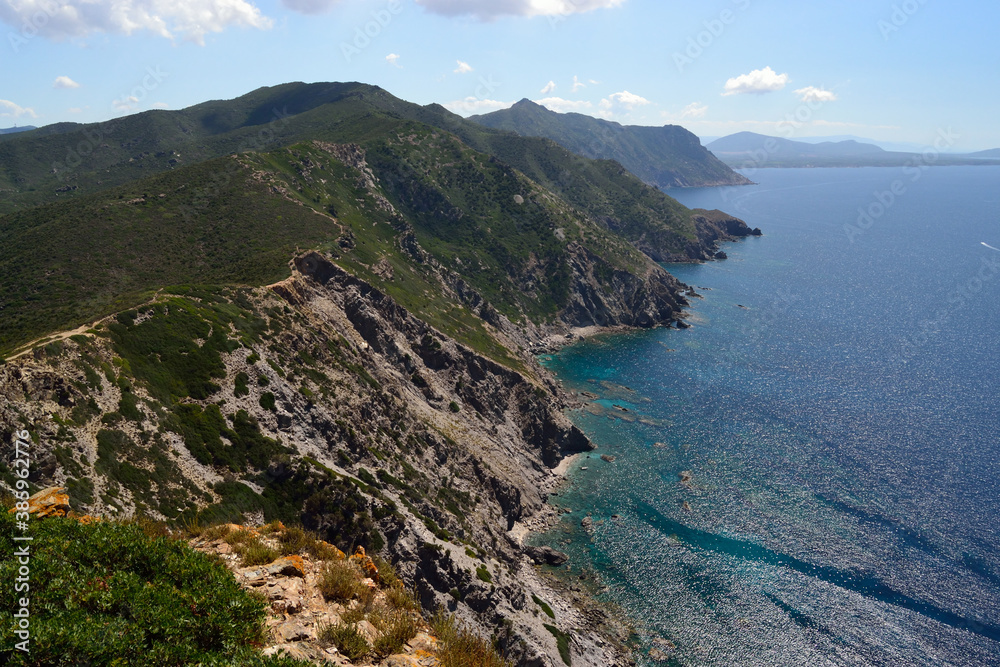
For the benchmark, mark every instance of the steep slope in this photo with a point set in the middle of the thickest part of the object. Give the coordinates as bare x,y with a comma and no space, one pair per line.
319,401
665,157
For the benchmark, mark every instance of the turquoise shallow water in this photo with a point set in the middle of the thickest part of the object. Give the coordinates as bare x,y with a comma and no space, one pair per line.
836,408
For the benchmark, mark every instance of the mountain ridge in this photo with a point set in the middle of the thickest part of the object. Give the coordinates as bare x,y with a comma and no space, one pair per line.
666,157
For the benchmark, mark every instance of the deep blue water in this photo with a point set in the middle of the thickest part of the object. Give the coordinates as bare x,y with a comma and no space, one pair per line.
836,405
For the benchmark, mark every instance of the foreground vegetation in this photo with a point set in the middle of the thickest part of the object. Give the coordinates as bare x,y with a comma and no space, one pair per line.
109,593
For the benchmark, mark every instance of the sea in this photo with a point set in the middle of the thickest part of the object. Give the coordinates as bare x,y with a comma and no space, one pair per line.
808,475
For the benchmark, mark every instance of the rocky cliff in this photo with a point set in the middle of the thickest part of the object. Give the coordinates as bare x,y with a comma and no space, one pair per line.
261,404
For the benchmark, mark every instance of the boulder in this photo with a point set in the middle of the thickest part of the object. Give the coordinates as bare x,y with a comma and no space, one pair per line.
546,556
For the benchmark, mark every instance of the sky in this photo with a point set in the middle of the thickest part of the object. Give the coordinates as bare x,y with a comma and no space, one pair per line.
894,70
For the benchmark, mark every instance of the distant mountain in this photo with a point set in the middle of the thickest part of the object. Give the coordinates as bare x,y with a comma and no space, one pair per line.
666,157
15,130
749,149
991,153
750,143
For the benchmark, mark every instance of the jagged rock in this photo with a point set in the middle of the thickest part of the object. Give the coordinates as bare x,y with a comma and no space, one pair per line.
608,457
289,566
291,632
53,501
546,555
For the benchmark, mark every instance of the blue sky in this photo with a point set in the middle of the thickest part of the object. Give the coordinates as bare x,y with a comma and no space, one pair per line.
899,70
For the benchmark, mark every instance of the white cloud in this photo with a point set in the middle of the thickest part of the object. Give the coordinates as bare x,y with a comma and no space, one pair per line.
694,110
814,94
75,110
159,105
64,82
487,10
561,105
474,105
393,59
549,87
624,98
125,103
577,84
10,110
192,19
463,68
756,82
310,6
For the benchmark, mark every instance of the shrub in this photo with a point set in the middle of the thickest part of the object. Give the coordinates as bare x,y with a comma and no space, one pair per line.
483,574
106,593
341,581
562,642
544,605
347,640
396,629
256,552
295,540
453,406
267,401
462,648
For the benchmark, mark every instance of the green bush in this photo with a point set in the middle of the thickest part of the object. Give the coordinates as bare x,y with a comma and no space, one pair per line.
347,640
483,574
340,581
562,642
544,605
107,593
460,647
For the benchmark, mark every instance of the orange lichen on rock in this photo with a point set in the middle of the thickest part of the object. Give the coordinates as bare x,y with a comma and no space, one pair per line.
53,501
366,564
290,566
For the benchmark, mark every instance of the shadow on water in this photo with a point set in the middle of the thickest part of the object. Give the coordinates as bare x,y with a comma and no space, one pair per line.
856,582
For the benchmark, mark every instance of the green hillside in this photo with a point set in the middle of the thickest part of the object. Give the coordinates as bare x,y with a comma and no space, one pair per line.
67,161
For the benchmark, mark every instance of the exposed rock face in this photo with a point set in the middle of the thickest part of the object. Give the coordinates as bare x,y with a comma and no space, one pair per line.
490,460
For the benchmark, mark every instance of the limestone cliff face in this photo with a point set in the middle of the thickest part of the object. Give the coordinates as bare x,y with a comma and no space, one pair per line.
451,448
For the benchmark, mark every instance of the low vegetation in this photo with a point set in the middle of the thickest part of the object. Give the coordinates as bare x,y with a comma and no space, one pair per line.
108,593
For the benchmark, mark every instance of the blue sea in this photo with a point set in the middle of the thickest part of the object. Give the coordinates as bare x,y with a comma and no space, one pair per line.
809,475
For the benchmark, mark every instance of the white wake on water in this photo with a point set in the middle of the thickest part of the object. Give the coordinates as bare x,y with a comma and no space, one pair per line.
989,246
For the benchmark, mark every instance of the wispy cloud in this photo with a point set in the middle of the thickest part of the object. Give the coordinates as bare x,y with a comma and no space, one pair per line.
549,87
577,84
393,59
757,82
694,110
625,99
9,109
561,105
64,82
813,94
191,19
310,6
488,10
474,105
463,67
